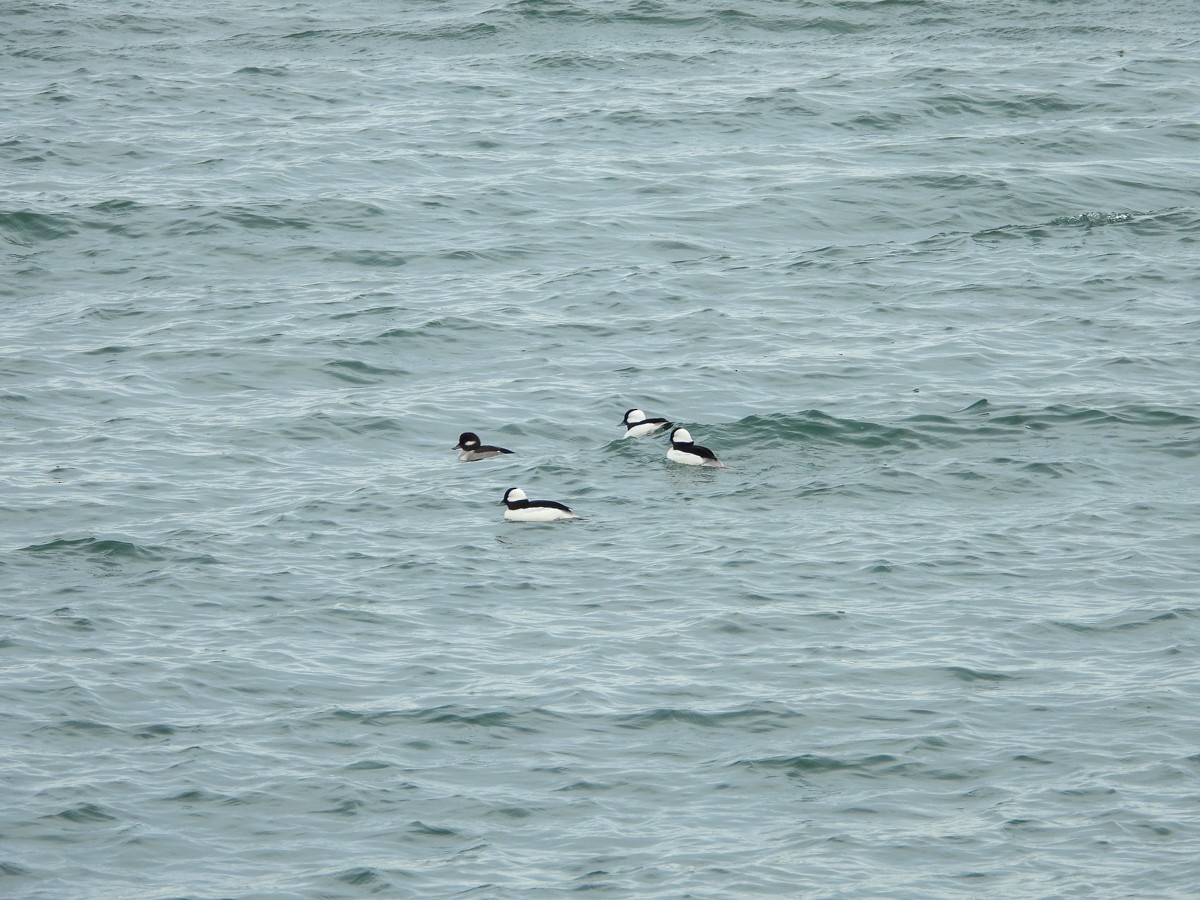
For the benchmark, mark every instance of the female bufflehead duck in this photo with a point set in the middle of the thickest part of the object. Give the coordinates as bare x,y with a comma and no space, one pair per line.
637,425
522,509
469,449
684,451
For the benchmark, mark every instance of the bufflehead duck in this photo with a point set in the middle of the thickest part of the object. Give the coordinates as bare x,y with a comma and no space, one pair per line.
522,509
684,451
637,425
469,449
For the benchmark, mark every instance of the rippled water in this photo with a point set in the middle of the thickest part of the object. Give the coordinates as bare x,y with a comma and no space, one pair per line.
924,274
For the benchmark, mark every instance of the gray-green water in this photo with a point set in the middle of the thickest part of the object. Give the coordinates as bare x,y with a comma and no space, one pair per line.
923,273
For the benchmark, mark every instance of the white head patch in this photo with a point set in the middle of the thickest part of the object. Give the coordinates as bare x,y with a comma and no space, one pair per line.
681,436
634,416
514,495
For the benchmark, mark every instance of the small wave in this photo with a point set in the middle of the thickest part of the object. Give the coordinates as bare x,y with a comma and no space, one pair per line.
198,795
583,15
26,228
114,552
447,715
370,259
102,548
457,31
81,728
450,714
1160,222
813,426
812,764
191,219
85,814
419,827
444,328
366,765
1125,622
1063,414
642,13
160,730
271,71
364,877
358,372
116,207
784,18
737,718
387,310
564,11
265,220
983,419
963,673
574,60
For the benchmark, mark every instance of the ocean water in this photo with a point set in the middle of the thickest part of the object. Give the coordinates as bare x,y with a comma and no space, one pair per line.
924,274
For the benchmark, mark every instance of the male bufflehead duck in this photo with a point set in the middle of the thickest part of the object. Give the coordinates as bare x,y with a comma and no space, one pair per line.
522,509
469,449
637,425
684,451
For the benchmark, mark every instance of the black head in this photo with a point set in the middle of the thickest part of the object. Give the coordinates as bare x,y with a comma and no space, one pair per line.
468,440
681,436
